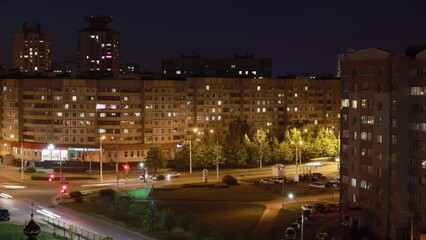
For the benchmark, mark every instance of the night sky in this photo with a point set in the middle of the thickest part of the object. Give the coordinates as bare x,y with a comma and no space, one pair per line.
300,36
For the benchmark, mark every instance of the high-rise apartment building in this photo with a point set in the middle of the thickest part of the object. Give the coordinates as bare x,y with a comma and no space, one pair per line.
240,66
383,142
133,114
98,48
342,57
31,50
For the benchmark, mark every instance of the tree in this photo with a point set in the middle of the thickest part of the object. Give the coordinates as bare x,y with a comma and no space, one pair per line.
260,139
181,160
234,151
185,222
168,220
155,157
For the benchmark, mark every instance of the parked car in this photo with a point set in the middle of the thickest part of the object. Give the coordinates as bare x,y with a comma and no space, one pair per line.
332,184
173,175
323,236
296,226
307,178
308,214
319,175
160,177
279,179
317,185
267,181
320,207
307,207
332,207
4,214
290,233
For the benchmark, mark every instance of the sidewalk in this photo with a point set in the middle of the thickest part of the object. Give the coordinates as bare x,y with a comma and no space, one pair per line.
272,210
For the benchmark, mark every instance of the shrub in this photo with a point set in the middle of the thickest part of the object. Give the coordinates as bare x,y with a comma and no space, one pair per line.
77,196
107,193
229,180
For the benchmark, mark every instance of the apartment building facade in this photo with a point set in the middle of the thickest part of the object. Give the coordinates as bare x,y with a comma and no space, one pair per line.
98,48
74,114
383,135
31,50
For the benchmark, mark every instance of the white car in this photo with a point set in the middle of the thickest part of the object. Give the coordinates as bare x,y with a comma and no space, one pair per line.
173,175
317,185
267,181
307,207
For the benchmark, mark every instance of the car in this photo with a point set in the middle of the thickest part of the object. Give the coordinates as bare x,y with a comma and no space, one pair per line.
307,207
307,214
4,214
320,207
279,180
290,233
296,226
160,177
332,207
173,175
332,184
319,175
317,185
323,236
267,181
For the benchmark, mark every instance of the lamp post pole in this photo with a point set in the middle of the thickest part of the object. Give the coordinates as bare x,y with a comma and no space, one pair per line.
190,156
116,163
22,160
411,223
100,157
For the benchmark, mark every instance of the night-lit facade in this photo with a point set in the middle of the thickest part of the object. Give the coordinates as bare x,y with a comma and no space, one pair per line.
98,48
134,114
31,50
383,142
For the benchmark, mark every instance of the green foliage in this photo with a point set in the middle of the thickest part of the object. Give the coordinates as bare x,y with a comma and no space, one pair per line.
168,220
181,160
72,232
138,210
155,157
229,180
77,196
185,222
122,203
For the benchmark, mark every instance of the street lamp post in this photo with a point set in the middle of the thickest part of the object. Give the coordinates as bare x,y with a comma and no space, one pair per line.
100,157
190,152
217,155
291,196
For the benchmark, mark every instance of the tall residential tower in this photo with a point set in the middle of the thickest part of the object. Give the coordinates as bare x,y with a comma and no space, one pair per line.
383,142
98,48
31,50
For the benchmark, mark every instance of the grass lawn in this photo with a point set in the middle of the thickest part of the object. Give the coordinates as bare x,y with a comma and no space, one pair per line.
138,193
238,193
225,219
16,232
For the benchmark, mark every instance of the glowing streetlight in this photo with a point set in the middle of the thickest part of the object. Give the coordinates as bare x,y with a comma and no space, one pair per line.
100,157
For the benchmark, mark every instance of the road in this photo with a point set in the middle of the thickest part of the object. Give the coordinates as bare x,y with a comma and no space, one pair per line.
36,197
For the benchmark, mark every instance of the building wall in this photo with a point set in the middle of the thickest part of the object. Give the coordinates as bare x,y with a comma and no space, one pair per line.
31,50
381,183
134,114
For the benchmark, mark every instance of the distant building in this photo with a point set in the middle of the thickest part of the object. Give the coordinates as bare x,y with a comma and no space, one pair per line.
241,66
341,57
383,143
31,50
65,67
129,68
98,48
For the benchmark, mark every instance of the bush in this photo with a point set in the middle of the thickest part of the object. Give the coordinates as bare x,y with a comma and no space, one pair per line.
77,196
229,180
107,193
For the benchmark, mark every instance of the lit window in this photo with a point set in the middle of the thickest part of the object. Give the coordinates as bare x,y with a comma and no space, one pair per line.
253,72
178,72
353,182
66,106
207,87
74,98
240,72
258,88
246,72
354,104
219,102
233,66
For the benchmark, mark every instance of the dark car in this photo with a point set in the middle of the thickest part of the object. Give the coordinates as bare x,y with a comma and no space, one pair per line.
160,177
321,208
4,215
319,175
